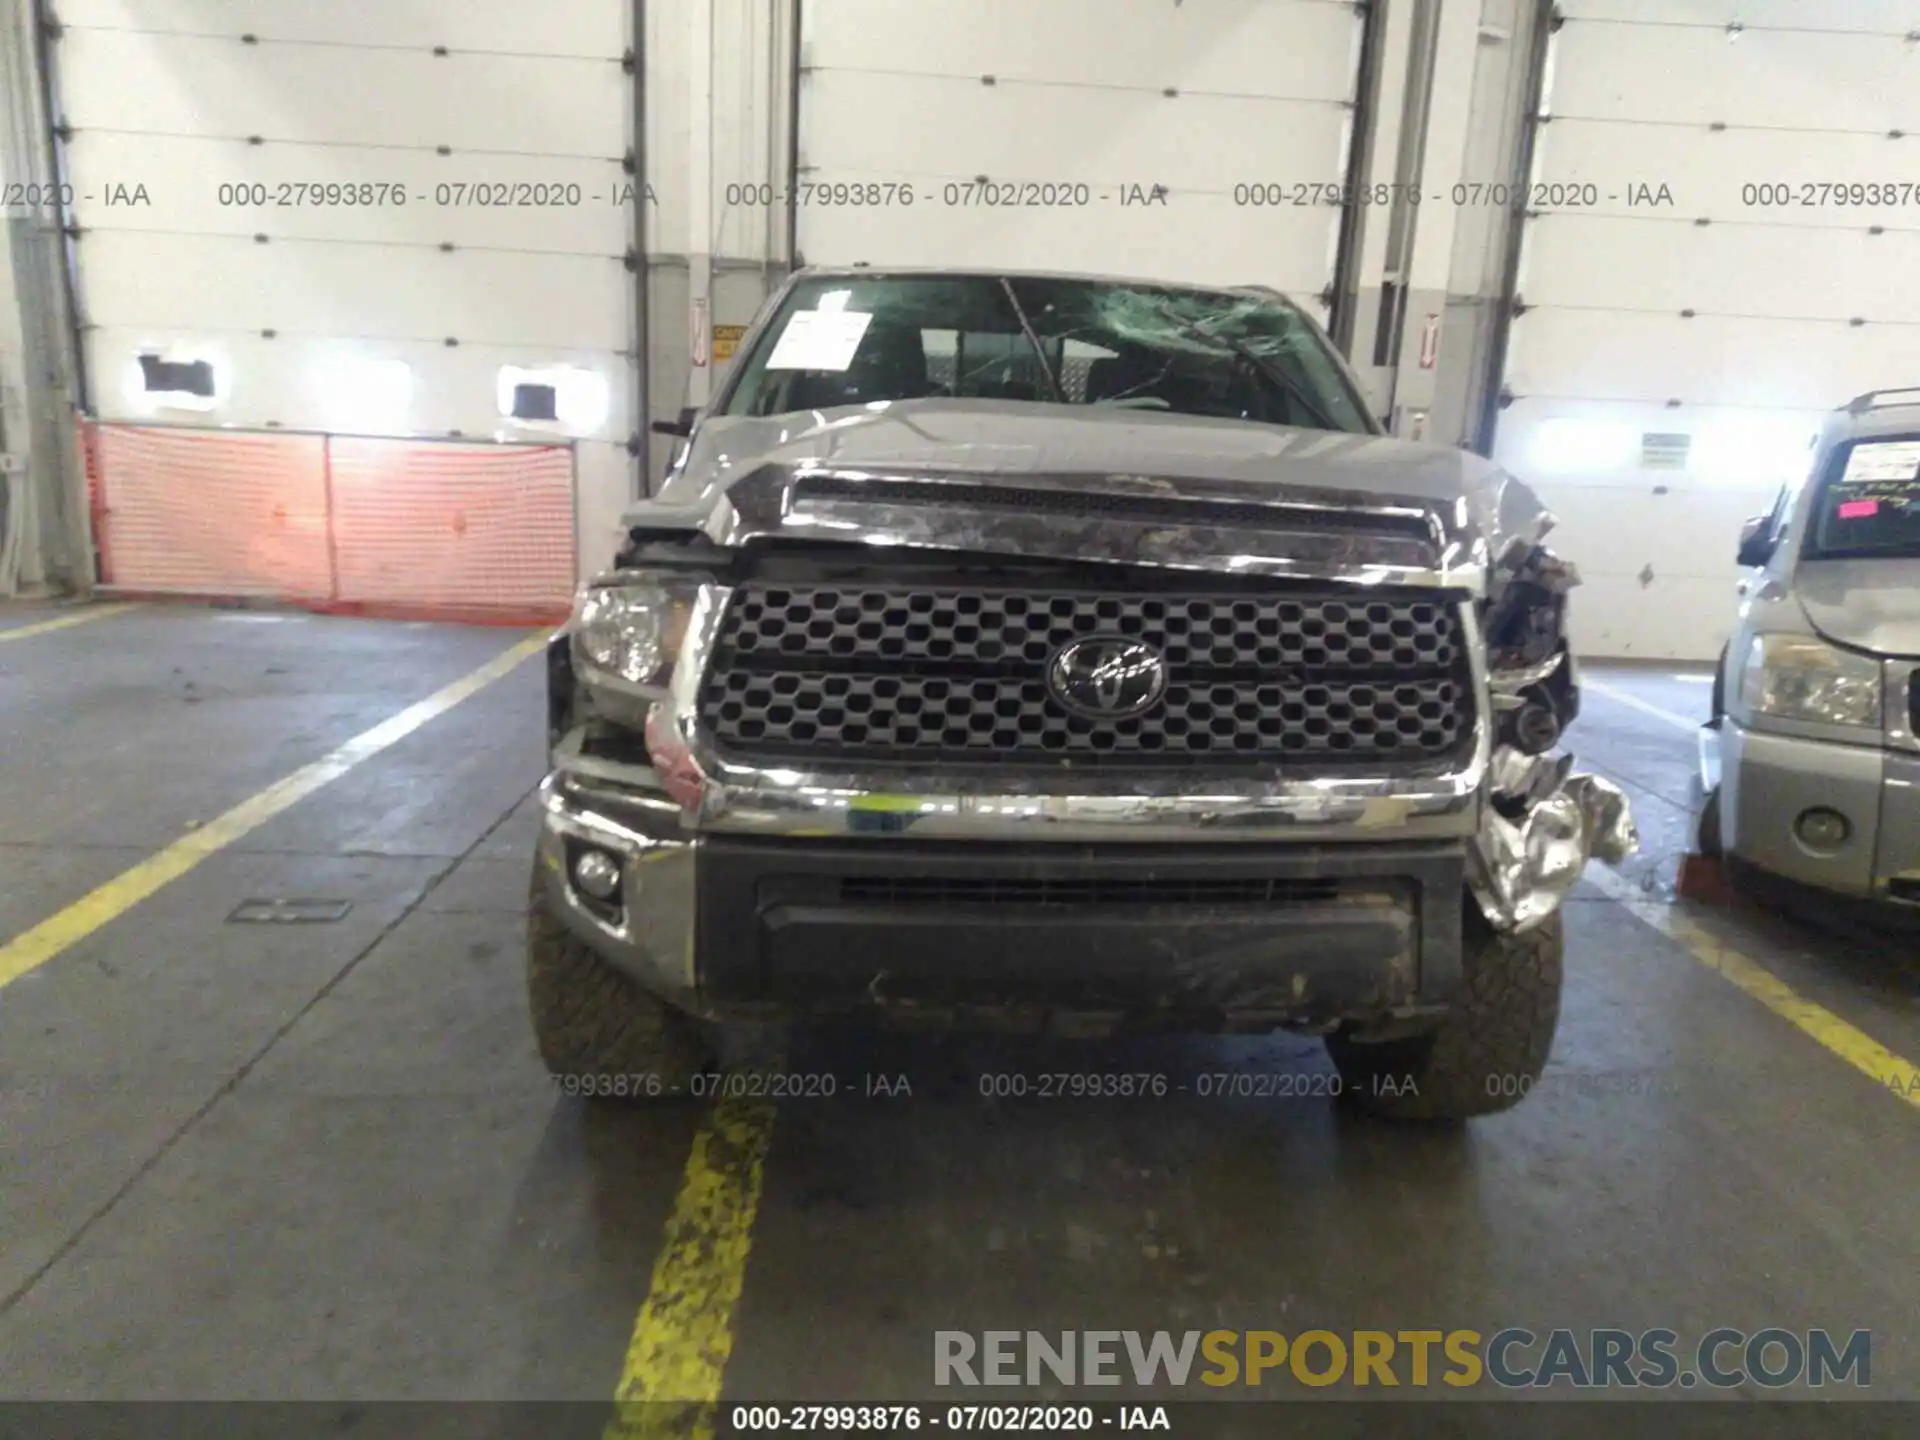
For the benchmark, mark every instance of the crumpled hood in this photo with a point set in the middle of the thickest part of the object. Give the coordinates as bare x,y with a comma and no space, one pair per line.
1010,438
1872,605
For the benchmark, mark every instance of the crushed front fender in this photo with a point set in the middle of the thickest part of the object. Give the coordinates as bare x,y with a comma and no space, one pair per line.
1537,835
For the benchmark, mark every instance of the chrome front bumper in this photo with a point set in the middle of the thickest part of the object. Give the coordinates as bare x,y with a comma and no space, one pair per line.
649,932
651,929
733,927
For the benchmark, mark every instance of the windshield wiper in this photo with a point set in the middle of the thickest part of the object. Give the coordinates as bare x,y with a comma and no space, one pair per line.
1264,367
1039,351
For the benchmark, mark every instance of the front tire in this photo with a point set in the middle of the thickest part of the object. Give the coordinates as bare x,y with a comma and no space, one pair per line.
600,1034
1490,1049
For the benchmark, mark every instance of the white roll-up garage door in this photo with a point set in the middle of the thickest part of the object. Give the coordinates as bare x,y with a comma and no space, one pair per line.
1202,141
299,192
356,218
1727,245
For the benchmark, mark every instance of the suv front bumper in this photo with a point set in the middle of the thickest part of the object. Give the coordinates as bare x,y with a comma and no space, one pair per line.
1254,932
1768,781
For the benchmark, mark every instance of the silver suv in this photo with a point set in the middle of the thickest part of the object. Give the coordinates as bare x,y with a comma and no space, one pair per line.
1065,653
1817,705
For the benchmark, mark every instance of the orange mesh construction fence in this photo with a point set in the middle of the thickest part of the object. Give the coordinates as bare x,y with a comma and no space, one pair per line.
420,529
466,528
179,512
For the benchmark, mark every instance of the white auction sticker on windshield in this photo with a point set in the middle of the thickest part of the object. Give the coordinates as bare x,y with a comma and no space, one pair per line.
1896,460
820,340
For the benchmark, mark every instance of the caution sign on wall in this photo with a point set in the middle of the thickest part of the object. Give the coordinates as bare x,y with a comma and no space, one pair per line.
726,340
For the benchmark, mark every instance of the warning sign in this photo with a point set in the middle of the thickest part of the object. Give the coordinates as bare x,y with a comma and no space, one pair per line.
726,341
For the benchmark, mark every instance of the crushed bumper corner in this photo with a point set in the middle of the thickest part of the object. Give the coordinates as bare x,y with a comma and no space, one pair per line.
647,927
1536,837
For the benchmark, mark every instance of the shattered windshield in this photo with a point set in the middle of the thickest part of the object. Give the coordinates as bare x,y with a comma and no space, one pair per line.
855,340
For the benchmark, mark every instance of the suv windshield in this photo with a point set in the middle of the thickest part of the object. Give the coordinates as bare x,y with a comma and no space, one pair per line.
858,339
1871,508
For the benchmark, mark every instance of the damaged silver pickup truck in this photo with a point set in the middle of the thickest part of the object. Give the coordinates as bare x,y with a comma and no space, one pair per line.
1051,651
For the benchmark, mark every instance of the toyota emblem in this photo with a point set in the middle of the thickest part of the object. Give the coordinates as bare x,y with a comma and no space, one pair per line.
1107,677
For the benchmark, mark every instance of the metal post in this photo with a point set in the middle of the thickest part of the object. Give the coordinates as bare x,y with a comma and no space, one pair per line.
43,30
1493,382
1366,96
796,61
50,524
643,264
1410,166
700,91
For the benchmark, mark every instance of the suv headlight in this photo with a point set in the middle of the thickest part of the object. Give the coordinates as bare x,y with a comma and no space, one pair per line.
628,629
1796,677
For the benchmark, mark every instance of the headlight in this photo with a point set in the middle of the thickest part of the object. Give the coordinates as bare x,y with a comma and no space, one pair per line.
1795,677
629,630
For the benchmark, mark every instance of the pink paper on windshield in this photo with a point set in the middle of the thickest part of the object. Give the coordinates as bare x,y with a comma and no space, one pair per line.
1858,509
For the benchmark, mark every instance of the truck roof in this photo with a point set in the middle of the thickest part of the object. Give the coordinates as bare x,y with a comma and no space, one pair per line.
1881,412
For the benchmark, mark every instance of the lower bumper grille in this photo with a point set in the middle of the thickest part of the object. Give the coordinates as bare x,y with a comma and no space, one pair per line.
1141,929
943,673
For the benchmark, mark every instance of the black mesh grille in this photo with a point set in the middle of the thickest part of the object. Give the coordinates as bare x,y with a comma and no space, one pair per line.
1193,631
924,671
1913,703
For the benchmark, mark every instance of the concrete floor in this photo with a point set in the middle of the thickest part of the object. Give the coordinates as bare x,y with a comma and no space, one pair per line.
321,1161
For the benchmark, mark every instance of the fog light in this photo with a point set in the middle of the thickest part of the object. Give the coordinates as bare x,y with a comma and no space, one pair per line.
1822,829
597,874
1535,728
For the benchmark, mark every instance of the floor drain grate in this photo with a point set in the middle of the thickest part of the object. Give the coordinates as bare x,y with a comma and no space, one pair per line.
289,912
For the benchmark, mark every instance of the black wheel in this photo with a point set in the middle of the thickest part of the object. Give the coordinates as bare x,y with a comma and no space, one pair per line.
1489,1050
1718,702
600,1034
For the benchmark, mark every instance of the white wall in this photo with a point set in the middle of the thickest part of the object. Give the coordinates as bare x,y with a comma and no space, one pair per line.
167,99
1660,93
1195,97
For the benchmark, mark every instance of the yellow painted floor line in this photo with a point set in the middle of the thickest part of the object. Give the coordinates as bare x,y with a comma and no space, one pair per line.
78,616
1891,1072
670,1383
1634,702
33,948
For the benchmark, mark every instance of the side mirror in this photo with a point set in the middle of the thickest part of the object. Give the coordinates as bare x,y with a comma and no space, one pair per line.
1756,541
682,427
